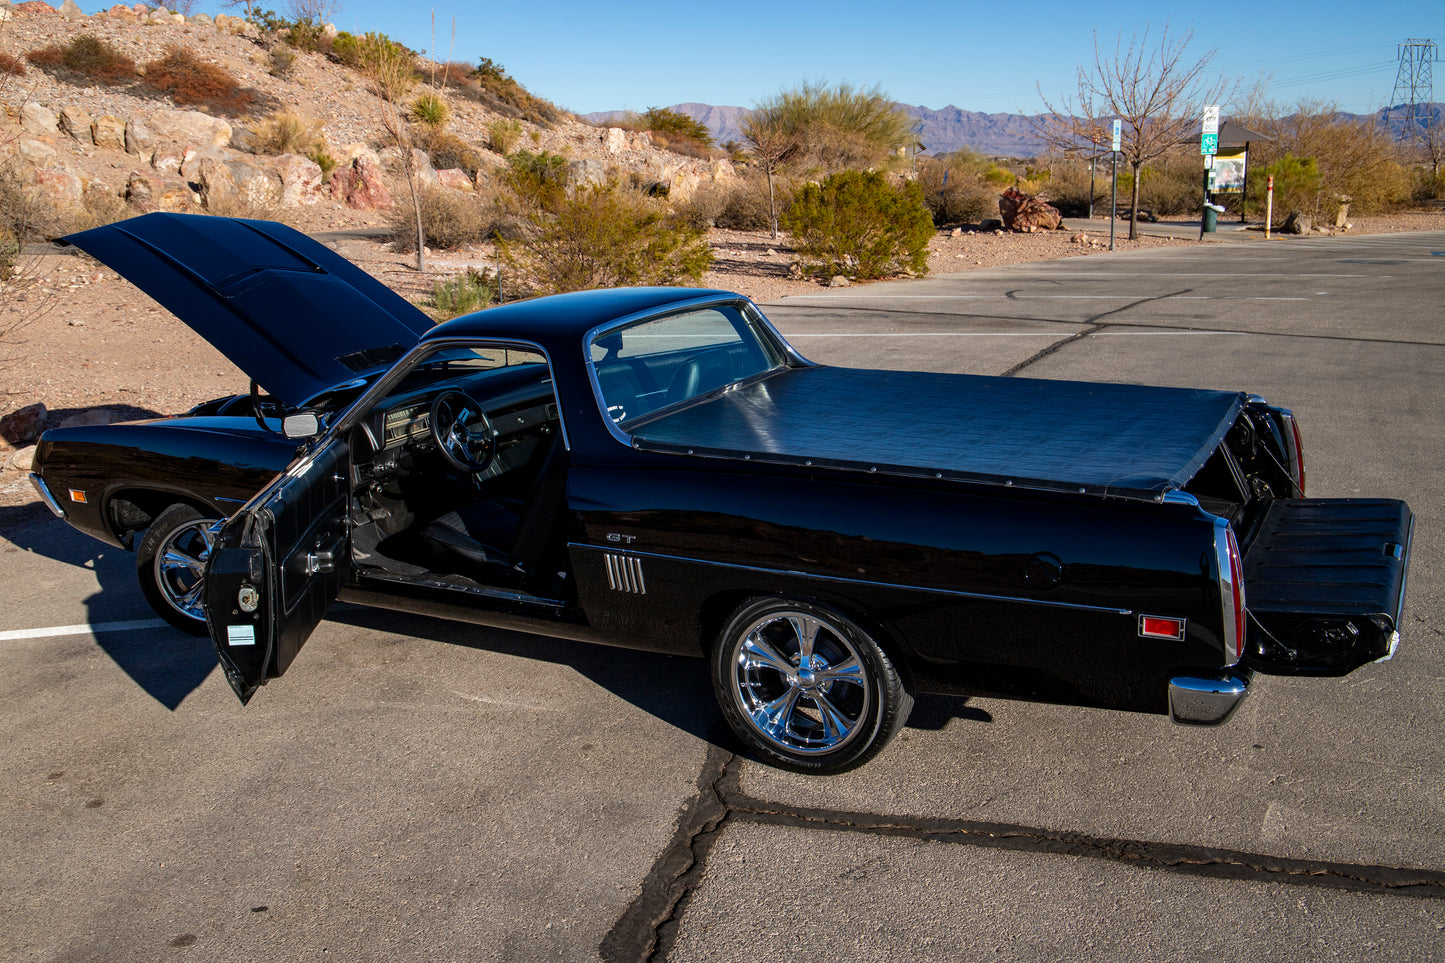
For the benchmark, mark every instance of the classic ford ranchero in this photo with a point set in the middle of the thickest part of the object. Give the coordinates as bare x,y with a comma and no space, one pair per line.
659,469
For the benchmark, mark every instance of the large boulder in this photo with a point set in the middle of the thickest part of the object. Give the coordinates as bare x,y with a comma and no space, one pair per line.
456,179
588,172
75,122
57,186
23,425
189,128
38,119
36,153
614,140
72,10
108,132
300,179
151,192
360,184
1026,212
1298,222
139,139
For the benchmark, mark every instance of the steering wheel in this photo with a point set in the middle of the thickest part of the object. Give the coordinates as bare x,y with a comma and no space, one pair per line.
462,431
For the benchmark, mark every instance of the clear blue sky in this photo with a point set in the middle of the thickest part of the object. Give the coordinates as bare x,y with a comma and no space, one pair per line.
635,54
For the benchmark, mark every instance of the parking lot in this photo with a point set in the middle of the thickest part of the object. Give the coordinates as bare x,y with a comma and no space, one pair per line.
417,789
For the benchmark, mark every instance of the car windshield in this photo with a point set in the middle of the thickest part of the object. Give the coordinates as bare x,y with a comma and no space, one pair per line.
657,364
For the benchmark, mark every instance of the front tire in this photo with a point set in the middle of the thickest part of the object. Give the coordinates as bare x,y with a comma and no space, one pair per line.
170,563
805,688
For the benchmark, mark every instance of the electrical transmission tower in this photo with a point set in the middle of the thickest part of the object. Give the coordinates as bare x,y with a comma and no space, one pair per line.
1413,86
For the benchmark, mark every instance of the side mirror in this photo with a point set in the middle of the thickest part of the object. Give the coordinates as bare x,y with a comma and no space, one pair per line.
302,424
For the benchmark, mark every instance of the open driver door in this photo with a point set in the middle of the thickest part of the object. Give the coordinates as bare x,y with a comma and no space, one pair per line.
277,567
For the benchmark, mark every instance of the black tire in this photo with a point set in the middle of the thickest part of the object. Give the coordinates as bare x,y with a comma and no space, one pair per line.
832,715
168,564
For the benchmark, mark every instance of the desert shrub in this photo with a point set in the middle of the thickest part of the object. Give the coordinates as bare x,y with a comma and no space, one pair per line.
429,110
280,61
505,95
192,82
747,204
835,128
284,132
322,158
1296,185
957,188
674,131
447,150
463,293
9,65
538,179
1167,193
502,135
604,236
450,219
860,225
85,58
704,207
390,66
306,33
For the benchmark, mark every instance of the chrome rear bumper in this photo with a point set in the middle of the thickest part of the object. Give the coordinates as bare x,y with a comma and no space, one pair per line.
1199,701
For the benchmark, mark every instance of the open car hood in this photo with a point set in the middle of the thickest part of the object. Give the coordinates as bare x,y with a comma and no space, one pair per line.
286,310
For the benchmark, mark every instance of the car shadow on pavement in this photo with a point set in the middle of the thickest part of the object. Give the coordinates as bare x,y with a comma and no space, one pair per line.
674,689
165,662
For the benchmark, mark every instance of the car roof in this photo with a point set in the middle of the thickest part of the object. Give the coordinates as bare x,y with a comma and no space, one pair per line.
562,319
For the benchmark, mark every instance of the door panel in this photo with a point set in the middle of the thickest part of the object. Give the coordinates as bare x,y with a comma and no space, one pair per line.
277,567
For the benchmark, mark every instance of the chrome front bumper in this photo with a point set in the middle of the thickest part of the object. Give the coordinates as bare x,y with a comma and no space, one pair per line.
45,495
1198,701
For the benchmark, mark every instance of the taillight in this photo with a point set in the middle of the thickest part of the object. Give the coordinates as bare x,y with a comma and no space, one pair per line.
1231,591
1299,455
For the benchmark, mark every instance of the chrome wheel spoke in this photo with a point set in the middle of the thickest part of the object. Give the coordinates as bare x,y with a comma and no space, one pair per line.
850,672
775,718
756,652
836,725
190,599
174,559
807,628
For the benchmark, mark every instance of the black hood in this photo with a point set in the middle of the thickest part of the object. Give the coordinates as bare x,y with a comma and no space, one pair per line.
286,310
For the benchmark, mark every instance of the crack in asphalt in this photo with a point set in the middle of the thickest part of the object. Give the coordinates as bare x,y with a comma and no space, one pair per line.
1095,325
648,928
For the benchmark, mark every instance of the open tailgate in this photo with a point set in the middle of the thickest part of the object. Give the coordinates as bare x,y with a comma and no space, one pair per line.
1325,583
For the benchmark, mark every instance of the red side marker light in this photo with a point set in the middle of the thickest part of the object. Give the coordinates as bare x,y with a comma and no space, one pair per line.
1160,627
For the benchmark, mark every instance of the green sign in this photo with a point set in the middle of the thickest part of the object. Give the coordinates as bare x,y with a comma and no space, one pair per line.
1209,144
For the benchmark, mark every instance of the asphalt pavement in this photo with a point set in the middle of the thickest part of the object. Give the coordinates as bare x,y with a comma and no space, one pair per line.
422,790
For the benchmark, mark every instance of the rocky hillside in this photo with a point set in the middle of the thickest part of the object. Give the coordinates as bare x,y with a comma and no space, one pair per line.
96,146
941,131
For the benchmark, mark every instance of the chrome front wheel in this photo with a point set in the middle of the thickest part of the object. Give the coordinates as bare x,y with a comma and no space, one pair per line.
805,687
171,562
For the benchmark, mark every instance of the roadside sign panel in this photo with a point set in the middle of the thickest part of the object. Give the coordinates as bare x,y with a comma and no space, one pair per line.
1209,144
1118,129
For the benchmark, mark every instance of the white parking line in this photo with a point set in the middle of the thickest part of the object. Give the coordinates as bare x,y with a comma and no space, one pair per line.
994,334
11,635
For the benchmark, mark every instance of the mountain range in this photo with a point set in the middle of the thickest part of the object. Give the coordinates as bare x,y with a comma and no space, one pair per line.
952,128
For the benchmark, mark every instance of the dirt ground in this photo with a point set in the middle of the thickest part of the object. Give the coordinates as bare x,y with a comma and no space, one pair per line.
92,340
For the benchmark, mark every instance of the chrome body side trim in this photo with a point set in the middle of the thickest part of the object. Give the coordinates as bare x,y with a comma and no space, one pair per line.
45,495
842,580
1201,701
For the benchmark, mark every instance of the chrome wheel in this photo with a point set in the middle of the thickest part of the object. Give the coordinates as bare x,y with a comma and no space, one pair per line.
800,681
181,565
805,687
171,565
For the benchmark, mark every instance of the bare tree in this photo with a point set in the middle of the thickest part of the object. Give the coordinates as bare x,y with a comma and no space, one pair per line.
1159,96
772,147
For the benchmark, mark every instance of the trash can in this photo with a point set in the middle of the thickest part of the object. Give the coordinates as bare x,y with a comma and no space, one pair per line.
1211,218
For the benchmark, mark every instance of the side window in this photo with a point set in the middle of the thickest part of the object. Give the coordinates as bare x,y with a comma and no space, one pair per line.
666,361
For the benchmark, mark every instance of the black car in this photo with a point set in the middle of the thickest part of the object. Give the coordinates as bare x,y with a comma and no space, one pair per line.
658,468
